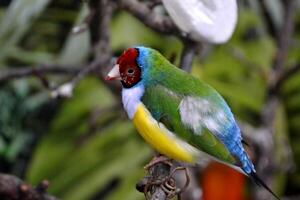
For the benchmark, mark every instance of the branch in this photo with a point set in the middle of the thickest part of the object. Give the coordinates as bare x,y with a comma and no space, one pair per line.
283,43
99,24
13,188
279,61
188,54
141,11
156,172
272,29
160,183
285,76
13,73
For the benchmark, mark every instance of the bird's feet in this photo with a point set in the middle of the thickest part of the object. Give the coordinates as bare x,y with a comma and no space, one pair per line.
158,159
168,184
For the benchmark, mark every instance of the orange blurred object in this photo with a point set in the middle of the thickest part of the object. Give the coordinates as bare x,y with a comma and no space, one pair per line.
220,182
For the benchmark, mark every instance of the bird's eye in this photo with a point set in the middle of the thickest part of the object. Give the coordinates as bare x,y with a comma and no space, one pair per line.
130,71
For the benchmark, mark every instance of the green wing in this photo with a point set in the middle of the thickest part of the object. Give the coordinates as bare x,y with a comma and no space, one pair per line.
164,104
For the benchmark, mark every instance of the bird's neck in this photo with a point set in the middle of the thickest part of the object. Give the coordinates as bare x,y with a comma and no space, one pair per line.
131,98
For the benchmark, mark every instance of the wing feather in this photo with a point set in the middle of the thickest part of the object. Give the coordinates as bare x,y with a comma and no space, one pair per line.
199,113
165,105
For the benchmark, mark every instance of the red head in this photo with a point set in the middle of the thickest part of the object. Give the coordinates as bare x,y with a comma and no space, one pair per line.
126,69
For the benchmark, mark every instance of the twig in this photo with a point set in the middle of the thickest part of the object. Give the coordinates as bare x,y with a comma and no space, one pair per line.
156,172
162,24
153,3
188,53
279,59
66,89
285,76
159,172
13,188
272,29
160,181
100,24
283,43
14,73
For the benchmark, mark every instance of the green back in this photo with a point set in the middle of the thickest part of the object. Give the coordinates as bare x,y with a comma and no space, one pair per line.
164,105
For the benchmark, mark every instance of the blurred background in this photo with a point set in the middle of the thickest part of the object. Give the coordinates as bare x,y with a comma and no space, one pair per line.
81,140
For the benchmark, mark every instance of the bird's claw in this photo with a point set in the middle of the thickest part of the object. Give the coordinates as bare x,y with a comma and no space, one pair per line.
168,184
158,159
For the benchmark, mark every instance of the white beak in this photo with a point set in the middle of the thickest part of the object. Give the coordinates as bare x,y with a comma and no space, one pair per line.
114,74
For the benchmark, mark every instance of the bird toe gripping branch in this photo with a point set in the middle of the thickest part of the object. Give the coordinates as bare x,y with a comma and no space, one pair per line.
166,182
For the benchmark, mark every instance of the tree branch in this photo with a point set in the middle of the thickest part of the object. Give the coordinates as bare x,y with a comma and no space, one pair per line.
12,188
100,24
280,60
156,172
283,44
159,172
285,76
162,24
13,73
187,55
272,29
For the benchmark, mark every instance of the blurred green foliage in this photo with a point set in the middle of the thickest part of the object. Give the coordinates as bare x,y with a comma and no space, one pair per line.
84,163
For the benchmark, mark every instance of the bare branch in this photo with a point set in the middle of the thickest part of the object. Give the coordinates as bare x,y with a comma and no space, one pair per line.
187,55
280,58
100,23
160,183
13,188
159,172
162,24
156,172
286,75
283,43
13,73
272,29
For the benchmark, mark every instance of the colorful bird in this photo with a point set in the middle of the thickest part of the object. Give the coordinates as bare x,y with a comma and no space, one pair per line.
177,114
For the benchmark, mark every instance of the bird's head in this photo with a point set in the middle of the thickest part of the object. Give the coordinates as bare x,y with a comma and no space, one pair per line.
135,65
127,68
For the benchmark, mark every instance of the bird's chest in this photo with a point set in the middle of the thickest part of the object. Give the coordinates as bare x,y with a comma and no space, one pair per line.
155,133
131,98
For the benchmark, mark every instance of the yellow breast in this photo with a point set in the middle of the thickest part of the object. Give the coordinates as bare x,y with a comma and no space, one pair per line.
160,138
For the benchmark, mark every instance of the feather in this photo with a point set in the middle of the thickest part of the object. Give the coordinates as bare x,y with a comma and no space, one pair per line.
256,179
165,108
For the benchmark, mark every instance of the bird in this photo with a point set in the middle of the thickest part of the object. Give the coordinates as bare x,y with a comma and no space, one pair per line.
179,115
210,21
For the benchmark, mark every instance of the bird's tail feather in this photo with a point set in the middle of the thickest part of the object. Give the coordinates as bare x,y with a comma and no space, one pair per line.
256,179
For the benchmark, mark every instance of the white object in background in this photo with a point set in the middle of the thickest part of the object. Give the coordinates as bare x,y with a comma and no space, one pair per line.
210,21
65,90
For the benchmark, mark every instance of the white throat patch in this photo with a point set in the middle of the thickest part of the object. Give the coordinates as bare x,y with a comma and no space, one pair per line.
131,97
